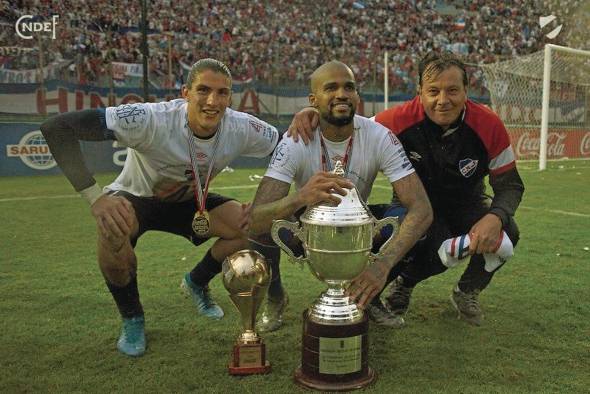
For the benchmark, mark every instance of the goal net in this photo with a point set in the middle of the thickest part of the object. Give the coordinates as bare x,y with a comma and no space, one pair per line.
544,101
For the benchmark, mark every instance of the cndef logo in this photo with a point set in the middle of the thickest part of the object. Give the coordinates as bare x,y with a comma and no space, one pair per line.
25,26
33,151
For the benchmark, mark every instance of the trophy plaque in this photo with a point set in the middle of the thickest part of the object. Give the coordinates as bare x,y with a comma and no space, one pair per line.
337,241
246,278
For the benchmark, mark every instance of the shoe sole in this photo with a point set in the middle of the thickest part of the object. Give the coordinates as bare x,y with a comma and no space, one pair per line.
462,316
131,354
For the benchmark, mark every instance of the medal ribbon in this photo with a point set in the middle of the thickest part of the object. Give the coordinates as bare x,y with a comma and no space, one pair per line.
201,193
327,163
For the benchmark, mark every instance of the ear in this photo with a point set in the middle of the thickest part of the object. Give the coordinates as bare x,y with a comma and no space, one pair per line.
184,92
312,99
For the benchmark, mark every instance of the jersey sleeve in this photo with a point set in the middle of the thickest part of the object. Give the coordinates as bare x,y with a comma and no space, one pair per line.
132,125
491,131
394,162
284,162
501,153
385,118
261,138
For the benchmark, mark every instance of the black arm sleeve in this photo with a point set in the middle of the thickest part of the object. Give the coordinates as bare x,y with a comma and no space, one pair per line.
63,133
508,190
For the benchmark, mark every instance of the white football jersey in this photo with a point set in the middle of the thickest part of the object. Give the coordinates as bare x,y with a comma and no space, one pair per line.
158,161
374,149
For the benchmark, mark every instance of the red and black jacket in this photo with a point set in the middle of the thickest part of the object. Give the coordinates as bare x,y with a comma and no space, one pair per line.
452,164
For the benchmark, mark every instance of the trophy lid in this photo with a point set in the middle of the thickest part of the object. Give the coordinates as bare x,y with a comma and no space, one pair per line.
350,212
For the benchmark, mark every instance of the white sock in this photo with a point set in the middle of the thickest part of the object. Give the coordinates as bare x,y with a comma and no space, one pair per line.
454,250
504,251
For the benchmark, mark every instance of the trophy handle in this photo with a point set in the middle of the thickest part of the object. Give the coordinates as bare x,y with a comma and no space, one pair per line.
295,229
379,224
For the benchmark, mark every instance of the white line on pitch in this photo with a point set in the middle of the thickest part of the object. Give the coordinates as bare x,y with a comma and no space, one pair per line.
559,211
60,196
39,198
12,199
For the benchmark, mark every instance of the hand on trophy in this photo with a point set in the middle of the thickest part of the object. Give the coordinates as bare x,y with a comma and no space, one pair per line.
337,240
369,283
320,187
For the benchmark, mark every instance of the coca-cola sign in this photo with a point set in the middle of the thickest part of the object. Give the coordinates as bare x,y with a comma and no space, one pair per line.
528,144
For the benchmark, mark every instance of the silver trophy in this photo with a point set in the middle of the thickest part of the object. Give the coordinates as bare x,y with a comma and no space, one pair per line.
337,241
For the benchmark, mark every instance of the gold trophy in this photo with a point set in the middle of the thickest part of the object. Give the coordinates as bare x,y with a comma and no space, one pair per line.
246,276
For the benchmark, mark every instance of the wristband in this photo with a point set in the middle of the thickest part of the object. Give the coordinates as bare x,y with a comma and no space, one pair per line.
92,193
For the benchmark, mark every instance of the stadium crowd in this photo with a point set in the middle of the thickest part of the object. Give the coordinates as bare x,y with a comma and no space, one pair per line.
282,41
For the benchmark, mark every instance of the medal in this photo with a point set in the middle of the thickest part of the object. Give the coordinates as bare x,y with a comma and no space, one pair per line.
327,163
201,224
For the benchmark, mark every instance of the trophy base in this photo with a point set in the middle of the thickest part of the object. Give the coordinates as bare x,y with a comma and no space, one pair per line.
315,384
249,359
334,357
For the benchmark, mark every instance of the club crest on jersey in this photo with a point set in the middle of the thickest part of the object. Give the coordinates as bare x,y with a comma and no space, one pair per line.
467,167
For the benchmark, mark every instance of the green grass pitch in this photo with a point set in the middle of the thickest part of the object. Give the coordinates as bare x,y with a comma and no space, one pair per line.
59,325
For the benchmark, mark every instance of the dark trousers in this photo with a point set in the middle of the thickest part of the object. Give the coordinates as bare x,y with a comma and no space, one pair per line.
423,261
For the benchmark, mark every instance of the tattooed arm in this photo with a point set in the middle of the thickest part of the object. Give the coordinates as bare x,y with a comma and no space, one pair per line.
273,200
412,195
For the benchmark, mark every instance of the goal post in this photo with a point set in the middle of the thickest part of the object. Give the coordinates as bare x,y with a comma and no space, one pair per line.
544,101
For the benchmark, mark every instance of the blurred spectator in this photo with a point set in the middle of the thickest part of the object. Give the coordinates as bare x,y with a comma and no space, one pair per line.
283,41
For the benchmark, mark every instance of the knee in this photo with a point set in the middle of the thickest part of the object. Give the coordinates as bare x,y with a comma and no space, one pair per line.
116,251
111,244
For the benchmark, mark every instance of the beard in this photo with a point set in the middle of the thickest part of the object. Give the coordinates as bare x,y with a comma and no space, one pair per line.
340,120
